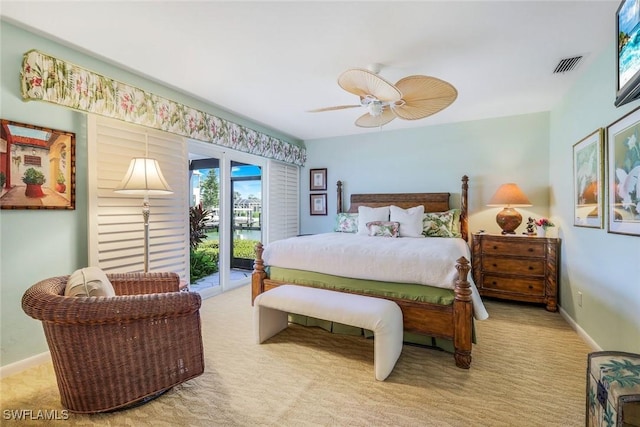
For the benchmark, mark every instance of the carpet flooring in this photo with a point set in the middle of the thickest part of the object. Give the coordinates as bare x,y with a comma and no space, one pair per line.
528,369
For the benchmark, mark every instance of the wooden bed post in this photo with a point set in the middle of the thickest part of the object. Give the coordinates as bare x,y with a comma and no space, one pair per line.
464,209
258,275
339,184
463,316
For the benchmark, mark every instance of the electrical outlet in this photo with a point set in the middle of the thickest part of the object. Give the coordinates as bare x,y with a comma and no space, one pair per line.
579,299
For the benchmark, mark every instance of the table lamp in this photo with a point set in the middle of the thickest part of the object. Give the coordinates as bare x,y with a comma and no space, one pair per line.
509,196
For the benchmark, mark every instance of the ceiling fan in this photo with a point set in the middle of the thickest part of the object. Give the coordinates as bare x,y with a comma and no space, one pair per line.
411,98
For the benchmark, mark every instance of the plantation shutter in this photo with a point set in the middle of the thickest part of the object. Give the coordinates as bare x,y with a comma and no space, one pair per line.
116,226
283,201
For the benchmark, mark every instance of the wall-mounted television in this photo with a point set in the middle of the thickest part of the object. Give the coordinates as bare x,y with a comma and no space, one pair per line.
628,37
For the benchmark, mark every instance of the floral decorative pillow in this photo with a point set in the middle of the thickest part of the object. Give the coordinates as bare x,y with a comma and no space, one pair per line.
347,223
438,224
455,226
383,228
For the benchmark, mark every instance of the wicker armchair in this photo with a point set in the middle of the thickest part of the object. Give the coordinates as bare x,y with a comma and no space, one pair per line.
112,352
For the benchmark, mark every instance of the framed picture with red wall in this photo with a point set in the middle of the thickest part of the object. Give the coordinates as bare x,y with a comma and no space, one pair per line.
37,167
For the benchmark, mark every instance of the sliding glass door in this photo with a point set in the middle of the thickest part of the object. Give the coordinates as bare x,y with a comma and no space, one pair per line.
246,212
226,187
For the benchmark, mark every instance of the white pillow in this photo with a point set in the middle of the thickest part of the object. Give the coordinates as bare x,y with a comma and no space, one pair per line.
410,220
89,282
367,214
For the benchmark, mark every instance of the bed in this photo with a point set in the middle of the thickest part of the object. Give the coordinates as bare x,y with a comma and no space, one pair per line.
403,269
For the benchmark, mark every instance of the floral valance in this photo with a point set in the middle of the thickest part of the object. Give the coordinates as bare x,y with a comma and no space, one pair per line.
50,79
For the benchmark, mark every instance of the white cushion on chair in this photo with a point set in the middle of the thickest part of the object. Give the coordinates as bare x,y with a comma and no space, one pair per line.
89,282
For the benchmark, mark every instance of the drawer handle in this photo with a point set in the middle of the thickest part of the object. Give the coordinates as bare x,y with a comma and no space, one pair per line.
530,268
494,282
530,287
495,247
530,249
495,265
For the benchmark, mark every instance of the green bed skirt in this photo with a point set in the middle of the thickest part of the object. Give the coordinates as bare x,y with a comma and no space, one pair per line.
406,291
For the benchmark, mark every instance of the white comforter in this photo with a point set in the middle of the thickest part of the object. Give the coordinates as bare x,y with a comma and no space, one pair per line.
426,261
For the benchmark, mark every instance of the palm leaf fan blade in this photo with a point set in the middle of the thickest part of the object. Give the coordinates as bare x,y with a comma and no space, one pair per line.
369,121
364,83
337,107
424,96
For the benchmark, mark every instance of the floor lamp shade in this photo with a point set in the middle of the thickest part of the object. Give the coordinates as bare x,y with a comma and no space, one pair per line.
144,178
509,196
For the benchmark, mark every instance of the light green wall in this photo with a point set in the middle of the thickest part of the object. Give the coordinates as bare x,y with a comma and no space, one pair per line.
36,244
433,159
604,267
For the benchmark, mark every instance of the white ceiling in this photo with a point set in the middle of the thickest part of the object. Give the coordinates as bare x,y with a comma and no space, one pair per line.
270,62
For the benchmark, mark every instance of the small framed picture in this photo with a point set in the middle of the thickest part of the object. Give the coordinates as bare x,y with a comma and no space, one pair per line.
587,181
318,179
318,204
623,180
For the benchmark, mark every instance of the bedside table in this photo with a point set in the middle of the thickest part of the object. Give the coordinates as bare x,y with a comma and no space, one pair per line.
517,267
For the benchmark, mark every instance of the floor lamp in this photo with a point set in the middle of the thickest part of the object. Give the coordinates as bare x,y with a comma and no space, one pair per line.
145,178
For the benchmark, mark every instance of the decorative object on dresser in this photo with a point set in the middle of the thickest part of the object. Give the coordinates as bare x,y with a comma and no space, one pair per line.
613,389
509,196
623,139
517,268
587,181
541,225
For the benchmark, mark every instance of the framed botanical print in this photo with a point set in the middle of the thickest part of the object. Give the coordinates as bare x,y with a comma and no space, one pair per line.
587,181
318,179
623,174
37,167
318,204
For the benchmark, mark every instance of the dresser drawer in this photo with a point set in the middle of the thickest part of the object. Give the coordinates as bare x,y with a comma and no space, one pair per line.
514,285
526,266
525,247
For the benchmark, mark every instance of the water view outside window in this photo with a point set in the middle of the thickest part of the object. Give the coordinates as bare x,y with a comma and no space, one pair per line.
246,215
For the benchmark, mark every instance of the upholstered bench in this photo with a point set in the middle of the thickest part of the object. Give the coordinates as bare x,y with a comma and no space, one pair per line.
383,317
613,389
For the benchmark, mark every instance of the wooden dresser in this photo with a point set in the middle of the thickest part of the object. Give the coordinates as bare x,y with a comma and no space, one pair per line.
517,267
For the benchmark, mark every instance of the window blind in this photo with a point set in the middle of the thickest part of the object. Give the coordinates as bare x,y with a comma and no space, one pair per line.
283,201
116,227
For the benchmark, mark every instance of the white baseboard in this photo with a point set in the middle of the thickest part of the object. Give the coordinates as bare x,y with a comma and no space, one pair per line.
590,342
30,362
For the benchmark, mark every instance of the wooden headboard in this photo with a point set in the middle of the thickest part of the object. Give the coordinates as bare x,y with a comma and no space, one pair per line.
432,202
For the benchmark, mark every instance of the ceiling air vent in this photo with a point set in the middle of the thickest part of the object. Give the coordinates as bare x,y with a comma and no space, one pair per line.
567,64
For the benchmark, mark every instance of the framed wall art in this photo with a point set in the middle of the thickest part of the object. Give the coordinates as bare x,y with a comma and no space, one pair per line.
587,181
623,174
37,167
318,179
318,204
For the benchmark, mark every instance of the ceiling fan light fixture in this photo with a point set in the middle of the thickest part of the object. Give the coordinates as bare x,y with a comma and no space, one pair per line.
375,108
